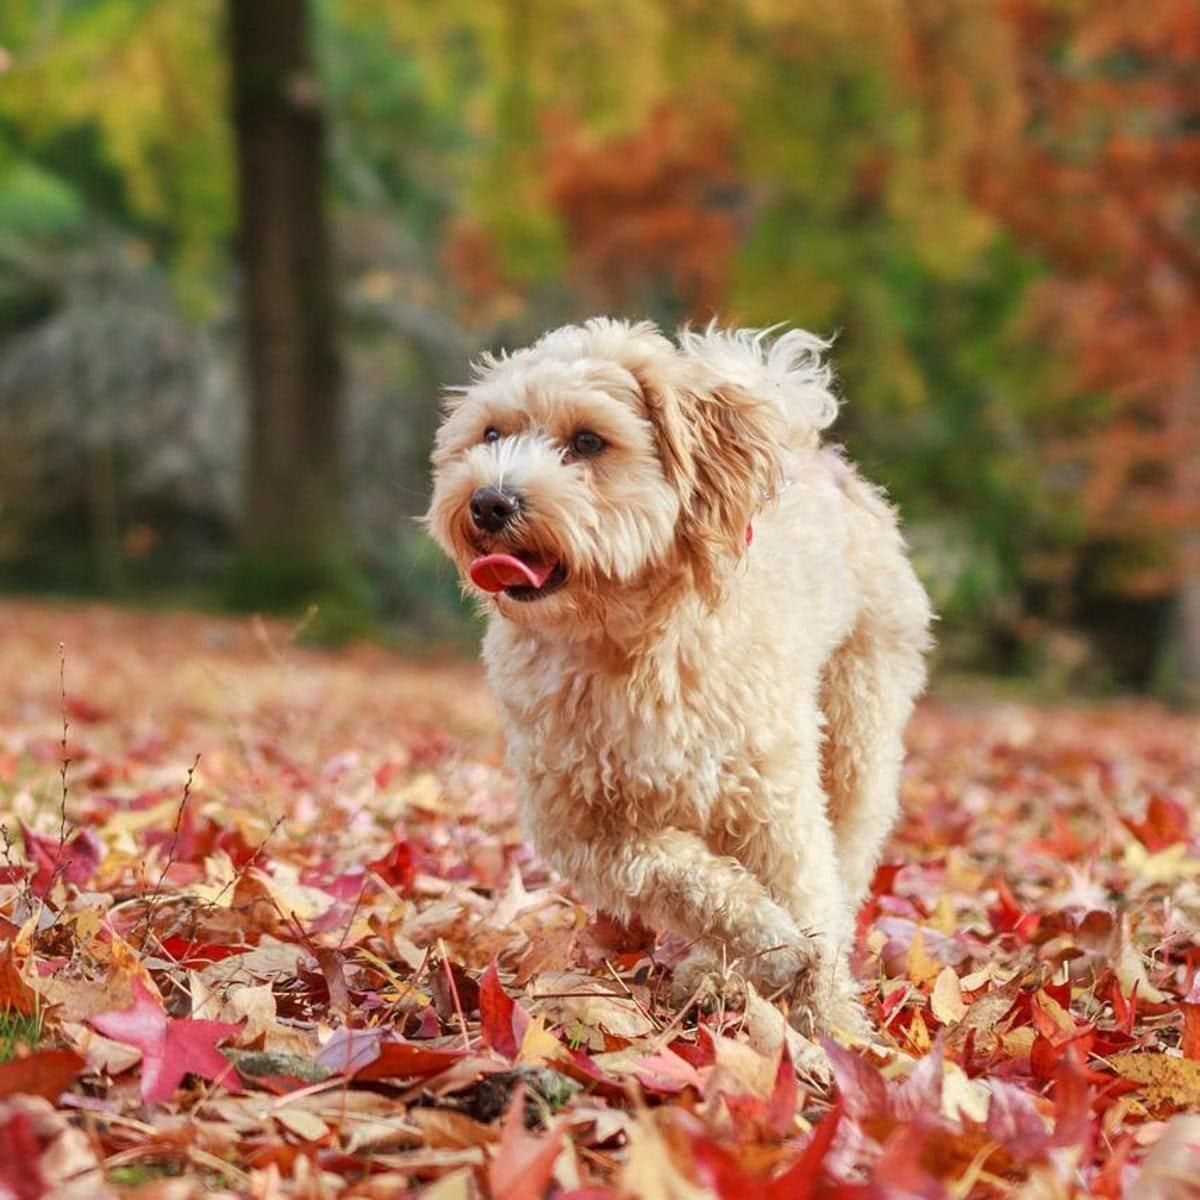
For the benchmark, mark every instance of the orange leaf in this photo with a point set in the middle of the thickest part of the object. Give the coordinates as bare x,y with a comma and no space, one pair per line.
1190,1045
15,994
45,1073
523,1163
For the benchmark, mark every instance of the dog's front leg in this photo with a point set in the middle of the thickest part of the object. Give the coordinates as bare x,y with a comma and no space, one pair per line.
797,852
672,880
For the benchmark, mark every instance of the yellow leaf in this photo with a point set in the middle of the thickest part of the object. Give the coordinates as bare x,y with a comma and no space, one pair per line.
918,1034
1166,1082
219,877
1056,1012
1018,1043
943,918
946,1002
538,1045
1166,866
650,1171
292,897
1131,970
132,821
455,1186
977,979
256,1005
921,968
963,1096
88,923
755,1072
303,1124
579,1001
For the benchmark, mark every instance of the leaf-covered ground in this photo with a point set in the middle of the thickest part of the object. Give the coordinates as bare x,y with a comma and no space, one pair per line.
268,927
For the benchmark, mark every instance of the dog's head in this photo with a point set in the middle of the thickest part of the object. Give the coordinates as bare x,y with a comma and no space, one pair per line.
605,462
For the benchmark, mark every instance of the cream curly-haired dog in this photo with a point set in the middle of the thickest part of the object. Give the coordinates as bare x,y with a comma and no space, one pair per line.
704,636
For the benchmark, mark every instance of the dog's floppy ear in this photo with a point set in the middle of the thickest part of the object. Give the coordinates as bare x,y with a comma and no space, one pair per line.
720,449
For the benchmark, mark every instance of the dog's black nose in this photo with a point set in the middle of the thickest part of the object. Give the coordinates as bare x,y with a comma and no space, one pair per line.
492,509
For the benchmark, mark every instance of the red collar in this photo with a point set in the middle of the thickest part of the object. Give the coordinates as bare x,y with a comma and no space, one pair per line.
749,534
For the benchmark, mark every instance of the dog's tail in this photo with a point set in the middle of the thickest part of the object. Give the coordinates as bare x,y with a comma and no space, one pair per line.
789,371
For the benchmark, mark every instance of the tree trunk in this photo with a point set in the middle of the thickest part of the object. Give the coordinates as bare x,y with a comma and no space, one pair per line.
294,506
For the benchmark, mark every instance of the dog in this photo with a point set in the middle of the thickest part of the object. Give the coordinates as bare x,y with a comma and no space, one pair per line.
704,636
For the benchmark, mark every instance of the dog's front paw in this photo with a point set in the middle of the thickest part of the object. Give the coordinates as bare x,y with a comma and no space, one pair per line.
703,981
830,1007
781,965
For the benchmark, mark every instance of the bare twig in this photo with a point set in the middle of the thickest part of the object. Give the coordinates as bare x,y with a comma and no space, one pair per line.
156,894
458,1008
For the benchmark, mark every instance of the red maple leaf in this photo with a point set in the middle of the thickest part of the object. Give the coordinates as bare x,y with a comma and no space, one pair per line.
502,1021
1164,824
1007,916
74,860
170,1048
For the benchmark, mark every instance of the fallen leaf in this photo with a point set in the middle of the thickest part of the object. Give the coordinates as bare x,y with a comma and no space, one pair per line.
1165,1082
946,1000
1016,1122
502,1022
398,1059
1190,1042
582,1003
74,860
523,1162
1171,1171
305,1125
46,1073
920,967
170,1049
43,1155
15,993
443,1128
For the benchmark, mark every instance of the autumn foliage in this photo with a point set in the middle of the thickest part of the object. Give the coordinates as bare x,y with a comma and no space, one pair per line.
652,213
1100,177
288,940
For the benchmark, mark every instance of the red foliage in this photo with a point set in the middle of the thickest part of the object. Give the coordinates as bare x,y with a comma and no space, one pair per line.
652,212
1102,181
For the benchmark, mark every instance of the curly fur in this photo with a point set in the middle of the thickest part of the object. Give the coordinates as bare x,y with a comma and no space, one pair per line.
705,735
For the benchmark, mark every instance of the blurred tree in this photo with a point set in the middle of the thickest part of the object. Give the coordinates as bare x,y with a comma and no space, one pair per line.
651,219
123,98
1101,178
294,526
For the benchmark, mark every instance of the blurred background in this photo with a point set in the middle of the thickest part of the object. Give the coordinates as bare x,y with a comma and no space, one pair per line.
244,244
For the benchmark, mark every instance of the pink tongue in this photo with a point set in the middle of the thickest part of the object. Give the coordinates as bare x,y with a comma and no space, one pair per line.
495,572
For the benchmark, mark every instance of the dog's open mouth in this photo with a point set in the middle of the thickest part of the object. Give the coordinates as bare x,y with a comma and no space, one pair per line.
521,576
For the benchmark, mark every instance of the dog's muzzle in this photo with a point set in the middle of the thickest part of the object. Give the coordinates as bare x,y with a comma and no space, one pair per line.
492,508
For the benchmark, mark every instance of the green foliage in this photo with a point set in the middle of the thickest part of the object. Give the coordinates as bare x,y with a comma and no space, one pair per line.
18,1030
34,202
329,596
144,83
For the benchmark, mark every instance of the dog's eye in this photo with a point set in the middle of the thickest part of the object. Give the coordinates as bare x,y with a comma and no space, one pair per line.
586,444
491,434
